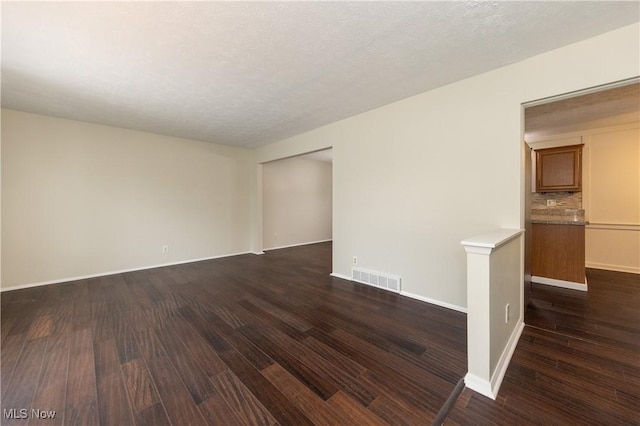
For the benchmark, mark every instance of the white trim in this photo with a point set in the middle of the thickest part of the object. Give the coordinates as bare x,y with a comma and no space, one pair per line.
574,138
554,141
560,139
257,253
122,271
617,268
298,245
580,92
434,302
342,277
479,385
411,296
560,283
613,226
486,243
505,358
491,388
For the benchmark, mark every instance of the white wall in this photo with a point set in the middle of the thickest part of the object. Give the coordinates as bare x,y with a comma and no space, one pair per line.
81,199
414,178
296,202
611,180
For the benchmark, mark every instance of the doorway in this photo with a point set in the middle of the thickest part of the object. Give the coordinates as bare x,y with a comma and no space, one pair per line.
297,194
605,122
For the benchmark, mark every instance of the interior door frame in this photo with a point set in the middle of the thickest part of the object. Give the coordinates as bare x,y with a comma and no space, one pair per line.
527,179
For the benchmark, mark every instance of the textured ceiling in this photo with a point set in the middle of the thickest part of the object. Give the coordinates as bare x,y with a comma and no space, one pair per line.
250,73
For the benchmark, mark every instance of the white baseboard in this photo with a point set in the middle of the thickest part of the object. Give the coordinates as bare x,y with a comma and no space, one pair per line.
413,296
617,268
505,357
434,302
491,388
297,245
477,384
257,253
121,271
560,283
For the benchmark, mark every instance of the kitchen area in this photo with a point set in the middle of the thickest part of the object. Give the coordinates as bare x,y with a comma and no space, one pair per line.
585,186
558,219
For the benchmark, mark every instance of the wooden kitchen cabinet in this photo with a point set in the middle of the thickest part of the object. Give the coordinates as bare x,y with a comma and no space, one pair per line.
557,252
559,169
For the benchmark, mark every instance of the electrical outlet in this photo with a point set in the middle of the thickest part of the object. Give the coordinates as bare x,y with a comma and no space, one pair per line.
506,314
355,260
165,249
551,203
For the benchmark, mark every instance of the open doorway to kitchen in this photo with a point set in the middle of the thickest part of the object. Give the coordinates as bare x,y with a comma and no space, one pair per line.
297,205
583,240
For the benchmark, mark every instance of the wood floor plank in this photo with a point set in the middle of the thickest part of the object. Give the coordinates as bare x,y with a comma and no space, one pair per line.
397,413
21,389
179,405
125,338
283,315
258,358
282,409
243,402
195,378
321,385
114,404
203,354
139,385
24,308
40,327
149,344
81,402
102,326
421,400
152,416
331,371
356,413
51,392
215,340
348,365
217,412
229,316
10,354
314,407
408,370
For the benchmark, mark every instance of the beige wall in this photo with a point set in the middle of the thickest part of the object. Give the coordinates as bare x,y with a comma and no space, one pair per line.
411,179
414,178
612,198
81,199
296,202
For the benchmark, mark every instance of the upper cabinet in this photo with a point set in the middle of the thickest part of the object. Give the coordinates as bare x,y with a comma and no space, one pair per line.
559,169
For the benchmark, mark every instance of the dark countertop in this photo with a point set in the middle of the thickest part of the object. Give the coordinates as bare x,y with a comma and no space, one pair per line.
558,217
559,221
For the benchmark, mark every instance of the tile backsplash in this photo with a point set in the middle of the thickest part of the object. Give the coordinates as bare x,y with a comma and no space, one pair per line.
564,200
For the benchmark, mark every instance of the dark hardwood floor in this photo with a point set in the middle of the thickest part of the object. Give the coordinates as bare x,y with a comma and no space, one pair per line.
258,340
577,362
266,340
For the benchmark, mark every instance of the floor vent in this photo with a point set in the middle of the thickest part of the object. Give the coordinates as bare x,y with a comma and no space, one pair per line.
376,279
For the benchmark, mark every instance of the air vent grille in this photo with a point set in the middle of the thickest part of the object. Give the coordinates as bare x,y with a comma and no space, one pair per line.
376,279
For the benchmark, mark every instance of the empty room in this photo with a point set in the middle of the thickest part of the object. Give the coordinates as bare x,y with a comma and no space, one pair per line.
322,213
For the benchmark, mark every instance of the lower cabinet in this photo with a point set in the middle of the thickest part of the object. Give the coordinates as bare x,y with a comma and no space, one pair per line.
558,252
